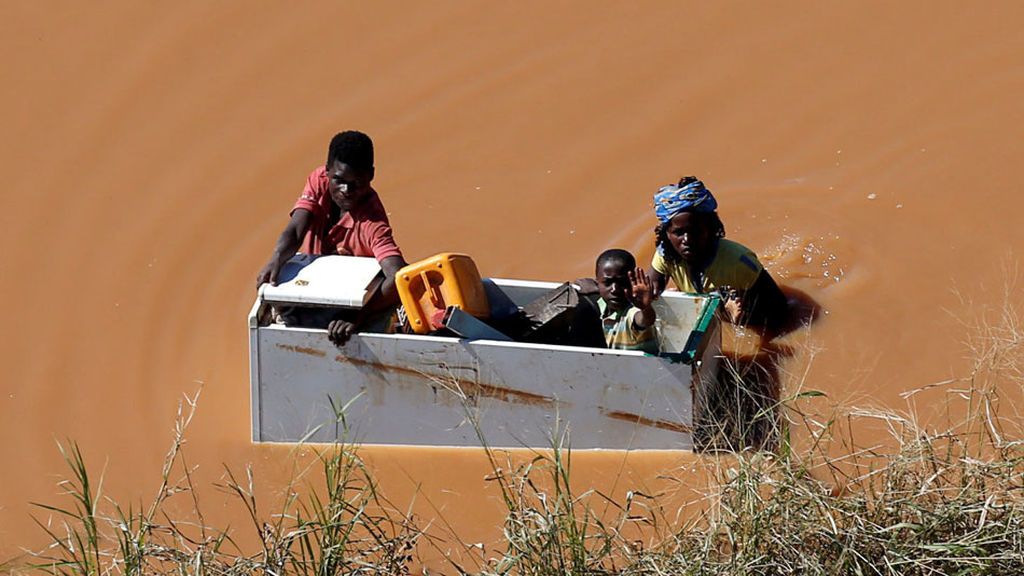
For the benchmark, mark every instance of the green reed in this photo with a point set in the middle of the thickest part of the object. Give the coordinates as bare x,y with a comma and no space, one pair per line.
339,524
792,491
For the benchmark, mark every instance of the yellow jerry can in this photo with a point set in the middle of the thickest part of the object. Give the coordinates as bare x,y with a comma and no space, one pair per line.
429,286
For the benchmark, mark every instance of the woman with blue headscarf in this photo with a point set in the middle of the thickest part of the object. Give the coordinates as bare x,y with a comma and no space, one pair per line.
693,252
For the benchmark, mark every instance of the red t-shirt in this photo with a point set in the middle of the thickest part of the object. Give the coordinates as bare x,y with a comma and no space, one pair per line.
362,231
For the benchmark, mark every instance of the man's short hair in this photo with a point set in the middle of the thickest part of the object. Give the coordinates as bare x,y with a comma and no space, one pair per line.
353,148
616,255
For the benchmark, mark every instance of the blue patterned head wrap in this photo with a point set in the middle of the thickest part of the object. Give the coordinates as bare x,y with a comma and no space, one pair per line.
673,199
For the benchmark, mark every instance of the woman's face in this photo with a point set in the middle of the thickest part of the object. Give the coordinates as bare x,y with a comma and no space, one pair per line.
690,236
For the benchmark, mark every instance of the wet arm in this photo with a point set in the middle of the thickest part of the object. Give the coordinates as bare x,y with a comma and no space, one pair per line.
388,295
764,304
288,244
391,265
658,281
643,297
645,318
340,330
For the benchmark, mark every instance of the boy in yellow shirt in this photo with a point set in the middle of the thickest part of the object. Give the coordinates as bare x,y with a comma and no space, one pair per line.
626,293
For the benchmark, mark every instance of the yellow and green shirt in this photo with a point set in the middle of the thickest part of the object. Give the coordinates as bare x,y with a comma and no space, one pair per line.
620,331
733,265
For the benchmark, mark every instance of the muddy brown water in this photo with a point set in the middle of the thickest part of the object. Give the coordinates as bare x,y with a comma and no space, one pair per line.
868,152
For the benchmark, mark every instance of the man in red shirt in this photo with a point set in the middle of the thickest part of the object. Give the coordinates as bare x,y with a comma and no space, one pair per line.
339,213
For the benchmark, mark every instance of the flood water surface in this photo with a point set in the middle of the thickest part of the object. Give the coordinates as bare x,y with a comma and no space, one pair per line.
151,153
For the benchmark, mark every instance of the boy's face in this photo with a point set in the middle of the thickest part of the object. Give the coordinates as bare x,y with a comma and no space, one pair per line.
613,284
690,237
347,186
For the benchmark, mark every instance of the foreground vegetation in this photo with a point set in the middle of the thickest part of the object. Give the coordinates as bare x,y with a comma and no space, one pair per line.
946,500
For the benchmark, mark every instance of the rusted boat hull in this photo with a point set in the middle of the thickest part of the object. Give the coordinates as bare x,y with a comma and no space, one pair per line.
437,391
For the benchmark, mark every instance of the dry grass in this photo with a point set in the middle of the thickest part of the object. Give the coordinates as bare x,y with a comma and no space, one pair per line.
341,525
927,501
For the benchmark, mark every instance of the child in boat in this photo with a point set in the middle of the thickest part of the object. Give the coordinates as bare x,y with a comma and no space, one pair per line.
693,252
339,212
626,293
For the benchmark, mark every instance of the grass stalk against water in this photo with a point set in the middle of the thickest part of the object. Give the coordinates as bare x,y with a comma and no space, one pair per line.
340,526
929,501
926,501
549,528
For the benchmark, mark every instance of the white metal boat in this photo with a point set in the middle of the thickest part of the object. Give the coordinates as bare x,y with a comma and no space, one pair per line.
406,389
